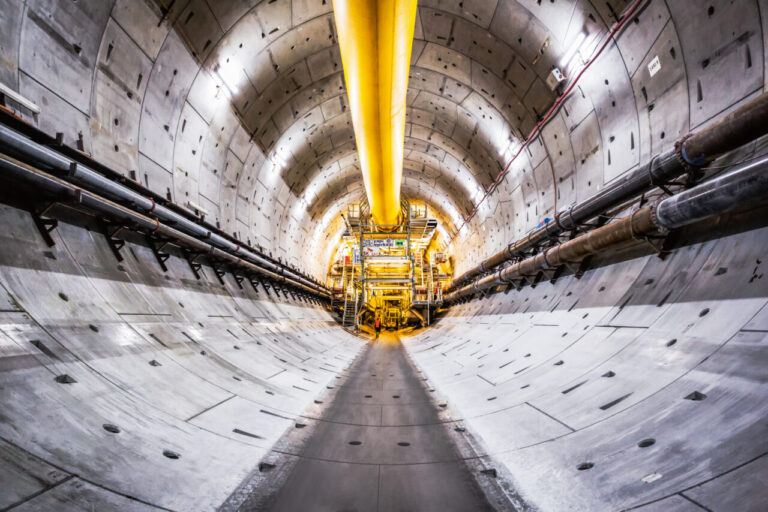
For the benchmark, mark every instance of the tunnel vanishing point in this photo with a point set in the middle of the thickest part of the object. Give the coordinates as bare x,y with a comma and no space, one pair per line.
384,255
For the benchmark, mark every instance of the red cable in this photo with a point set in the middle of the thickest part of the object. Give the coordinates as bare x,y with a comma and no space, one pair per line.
546,117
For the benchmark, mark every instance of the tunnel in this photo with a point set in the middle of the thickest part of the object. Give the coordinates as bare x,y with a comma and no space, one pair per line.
186,321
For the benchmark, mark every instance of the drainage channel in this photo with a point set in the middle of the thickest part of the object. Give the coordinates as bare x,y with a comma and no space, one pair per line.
380,444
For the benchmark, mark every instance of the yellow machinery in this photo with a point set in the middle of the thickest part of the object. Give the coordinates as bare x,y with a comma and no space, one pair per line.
396,275
375,37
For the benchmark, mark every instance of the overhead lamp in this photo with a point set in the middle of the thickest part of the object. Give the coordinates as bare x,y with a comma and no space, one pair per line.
582,46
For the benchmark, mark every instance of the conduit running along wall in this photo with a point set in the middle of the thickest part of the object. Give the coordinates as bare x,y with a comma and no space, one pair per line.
744,125
740,188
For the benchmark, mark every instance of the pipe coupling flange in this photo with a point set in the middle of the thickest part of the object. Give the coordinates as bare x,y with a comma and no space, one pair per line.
547,263
693,170
655,218
557,221
679,143
566,214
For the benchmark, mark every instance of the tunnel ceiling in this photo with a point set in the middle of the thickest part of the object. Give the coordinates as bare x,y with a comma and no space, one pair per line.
473,89
239,107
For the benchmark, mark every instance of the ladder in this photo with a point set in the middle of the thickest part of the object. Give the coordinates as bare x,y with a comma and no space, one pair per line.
430,289
350,298
358,305
420,265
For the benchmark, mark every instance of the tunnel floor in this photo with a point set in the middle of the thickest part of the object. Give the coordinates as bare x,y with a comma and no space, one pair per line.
380,444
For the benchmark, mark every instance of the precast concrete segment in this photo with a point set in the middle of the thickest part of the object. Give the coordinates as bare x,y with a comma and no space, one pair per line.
640,385
743,187
744,125
381,445
126,388
149,95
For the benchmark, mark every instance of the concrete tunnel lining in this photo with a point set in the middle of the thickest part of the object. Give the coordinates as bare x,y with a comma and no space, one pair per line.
544,379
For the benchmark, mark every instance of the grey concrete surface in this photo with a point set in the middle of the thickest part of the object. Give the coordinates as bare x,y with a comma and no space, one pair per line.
212,373
380,444
584,371
240,108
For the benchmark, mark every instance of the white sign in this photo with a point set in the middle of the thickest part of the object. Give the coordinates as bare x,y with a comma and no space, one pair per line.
378,242
654,66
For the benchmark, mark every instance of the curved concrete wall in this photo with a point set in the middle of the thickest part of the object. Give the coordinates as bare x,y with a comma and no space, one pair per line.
584,371
239,107
210,372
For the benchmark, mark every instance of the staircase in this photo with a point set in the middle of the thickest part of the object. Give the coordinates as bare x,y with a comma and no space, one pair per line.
350,296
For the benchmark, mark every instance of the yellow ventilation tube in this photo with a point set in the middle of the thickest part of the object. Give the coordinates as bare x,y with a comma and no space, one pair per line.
375,37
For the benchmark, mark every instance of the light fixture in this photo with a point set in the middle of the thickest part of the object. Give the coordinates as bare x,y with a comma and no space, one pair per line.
579,47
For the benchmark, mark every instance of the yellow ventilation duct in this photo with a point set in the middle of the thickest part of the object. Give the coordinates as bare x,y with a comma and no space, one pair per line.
375,37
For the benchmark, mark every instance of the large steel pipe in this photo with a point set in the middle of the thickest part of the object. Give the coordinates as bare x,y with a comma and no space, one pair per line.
743,125
743,187
61,188
638,224
46,158
738,189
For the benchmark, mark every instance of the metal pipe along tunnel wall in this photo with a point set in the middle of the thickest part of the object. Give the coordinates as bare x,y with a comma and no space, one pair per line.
637,385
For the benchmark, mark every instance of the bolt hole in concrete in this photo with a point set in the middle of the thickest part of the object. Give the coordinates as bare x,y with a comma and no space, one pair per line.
585,466
395,396
93,328
645,443
265,467
403,443
63,296
355,443
696,396
171,454
704,312
318,401
300,425
114,429
671,342
368,396
64,379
